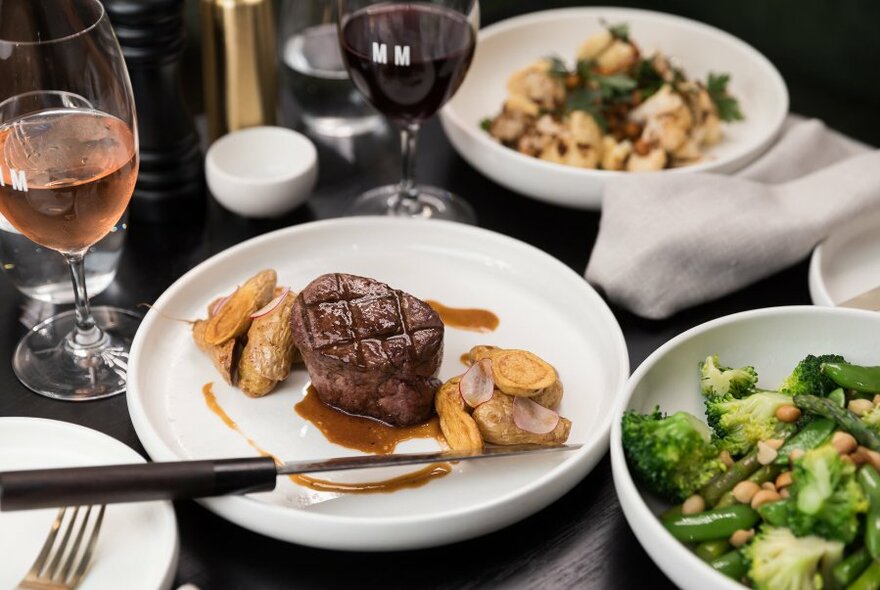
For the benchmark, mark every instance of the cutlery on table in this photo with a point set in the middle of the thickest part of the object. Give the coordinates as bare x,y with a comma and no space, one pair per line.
108,484
869,300
51,570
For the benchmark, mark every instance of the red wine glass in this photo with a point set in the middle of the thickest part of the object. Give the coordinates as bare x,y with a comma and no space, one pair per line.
68,165
408,59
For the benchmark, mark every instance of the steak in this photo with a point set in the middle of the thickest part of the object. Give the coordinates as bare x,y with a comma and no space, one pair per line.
370,350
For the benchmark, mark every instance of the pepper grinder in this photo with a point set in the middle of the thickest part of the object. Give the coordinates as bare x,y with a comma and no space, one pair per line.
170,183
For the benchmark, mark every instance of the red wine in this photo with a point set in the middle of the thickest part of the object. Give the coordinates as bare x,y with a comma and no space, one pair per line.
408,59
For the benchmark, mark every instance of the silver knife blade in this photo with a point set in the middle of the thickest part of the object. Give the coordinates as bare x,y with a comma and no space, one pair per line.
869,300
366,461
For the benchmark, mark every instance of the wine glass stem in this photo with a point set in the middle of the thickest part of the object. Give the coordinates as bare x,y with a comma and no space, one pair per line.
86,333
407,193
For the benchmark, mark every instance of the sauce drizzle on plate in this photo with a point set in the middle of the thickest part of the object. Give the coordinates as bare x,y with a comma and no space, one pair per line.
408,480
475,320
356,432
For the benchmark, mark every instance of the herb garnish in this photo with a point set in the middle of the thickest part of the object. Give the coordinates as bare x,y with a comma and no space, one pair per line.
728,106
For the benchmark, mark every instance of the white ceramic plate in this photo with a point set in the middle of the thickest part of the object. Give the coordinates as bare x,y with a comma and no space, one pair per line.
137,546
513,44
543,306
847,263
774,340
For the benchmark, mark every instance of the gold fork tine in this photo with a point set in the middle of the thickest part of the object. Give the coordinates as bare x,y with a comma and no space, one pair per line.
62,545
40,561
68,564
87,554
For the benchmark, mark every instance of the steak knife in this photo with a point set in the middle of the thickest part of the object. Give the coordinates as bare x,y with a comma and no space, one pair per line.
174,480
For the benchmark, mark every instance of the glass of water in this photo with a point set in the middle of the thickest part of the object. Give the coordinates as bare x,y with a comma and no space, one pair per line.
42,274
314,75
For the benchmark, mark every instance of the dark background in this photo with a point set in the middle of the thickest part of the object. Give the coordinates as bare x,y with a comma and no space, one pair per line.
827,52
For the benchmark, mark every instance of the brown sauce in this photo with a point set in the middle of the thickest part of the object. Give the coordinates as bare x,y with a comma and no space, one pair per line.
475,320
415,479
409,480
355,432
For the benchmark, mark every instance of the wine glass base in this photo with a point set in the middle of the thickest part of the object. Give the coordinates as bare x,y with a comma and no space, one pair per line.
44,363
432,203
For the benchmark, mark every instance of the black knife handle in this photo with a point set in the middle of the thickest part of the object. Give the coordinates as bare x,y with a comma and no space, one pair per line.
107,484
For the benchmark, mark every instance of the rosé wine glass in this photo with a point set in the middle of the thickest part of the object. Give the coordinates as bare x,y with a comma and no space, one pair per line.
68,166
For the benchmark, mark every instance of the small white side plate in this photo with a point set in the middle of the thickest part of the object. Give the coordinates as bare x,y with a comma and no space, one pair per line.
137,546
847,263
543,306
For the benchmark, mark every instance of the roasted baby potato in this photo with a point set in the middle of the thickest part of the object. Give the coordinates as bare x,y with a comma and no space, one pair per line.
550,397
222,355
459,429
269,348
517,372
234,318
251,382
494,418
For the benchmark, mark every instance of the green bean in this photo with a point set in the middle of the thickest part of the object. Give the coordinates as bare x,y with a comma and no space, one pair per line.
726,500
730,564
671,512
724,482
809,437
842,417
712,525
710,550
870,481
864,379
869,580
846,572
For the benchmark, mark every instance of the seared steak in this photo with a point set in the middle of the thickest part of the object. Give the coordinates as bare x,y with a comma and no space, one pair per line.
370,350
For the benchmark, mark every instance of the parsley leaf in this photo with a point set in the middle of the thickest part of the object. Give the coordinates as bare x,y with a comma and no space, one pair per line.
584,68
615,86
590,101
557,66
486,124
648,79
727,105
618,31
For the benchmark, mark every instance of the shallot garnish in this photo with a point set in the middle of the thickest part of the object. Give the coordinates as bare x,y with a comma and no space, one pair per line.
269,307
477,384
220,303
533,417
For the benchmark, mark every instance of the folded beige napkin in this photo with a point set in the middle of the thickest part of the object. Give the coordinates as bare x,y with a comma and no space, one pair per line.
670,241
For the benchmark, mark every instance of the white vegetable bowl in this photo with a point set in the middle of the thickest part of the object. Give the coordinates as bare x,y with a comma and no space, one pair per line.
773,340
505,47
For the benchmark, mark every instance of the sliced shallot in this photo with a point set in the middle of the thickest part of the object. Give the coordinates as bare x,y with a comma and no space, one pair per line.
220,303
533,417
477,384
271,305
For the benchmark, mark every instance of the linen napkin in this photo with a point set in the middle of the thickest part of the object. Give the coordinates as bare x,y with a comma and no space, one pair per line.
670,241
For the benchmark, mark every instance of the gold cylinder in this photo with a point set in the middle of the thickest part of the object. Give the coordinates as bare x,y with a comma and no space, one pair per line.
238,64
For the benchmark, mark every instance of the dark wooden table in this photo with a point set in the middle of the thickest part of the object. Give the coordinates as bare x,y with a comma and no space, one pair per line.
582,540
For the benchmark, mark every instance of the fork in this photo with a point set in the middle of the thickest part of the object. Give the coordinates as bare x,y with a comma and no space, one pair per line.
48,572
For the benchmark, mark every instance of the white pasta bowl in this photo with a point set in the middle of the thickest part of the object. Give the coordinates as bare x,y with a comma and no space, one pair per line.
507,46
773,340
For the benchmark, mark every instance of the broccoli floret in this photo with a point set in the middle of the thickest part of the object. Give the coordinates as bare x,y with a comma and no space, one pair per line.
826,499
780,561
718,380
672,455
808,378
740,423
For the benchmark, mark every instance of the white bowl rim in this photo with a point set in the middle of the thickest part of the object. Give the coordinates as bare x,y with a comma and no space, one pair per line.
649,524
449,113
303,165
